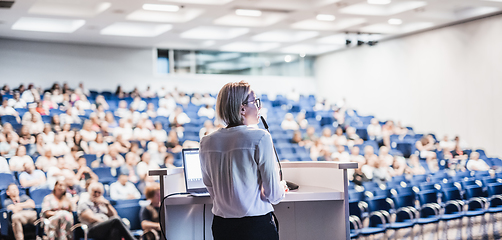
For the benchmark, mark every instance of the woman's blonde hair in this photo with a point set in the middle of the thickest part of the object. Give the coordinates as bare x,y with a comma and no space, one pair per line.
229,102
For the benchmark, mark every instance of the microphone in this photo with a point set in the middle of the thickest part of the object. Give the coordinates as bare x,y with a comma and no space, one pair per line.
291,186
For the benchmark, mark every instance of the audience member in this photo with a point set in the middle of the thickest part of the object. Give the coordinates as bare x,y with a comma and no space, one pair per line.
46,161
17,162
112,159
4,165
302,122
149,214
123,189
415,167
339,138
327,138
130,167
369,168
59,147
57,208
207,129
381,172
206,111
477,164
340,155
101,216
99,146
426,145
289,122
84,173
23,210
168,161
374,130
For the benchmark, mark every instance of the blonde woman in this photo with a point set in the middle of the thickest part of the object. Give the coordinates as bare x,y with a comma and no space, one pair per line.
239,169
58,209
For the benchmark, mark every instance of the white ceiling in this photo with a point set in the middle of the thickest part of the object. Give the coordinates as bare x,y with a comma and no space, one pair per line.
288,26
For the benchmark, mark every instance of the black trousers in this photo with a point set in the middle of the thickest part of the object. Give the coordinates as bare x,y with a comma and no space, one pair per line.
113,229
246,228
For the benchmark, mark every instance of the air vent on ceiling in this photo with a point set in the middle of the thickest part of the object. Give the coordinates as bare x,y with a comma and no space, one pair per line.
6,4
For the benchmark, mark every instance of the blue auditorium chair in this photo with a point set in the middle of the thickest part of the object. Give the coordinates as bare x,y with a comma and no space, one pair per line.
105,175
8,119
38,195
7,179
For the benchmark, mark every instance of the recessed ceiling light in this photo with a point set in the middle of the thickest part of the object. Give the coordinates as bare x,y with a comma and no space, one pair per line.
325,17
288,58
379,1
395,21
48,24
248,12
161,7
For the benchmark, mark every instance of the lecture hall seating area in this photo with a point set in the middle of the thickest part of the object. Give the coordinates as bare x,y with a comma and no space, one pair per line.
405,179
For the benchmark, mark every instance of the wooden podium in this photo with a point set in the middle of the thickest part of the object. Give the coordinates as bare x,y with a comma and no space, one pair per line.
319,209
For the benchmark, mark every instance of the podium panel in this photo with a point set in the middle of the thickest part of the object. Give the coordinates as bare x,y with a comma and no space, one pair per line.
317,210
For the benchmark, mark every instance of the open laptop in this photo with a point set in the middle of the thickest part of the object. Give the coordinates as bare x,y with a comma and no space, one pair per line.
193,172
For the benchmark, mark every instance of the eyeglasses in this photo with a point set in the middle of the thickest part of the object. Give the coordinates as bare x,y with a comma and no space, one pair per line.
256,101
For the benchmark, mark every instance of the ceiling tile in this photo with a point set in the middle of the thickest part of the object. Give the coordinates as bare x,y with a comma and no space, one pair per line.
313,49
266,19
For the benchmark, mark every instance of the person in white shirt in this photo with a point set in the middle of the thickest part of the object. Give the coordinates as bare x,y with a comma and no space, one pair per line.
384,156
59,147
374,130
122,111
141,133
87,133
370,166
239,168
17,162
289,122
4,166
208,100
477,164
138,104
124,130
99,146
123,189
16,101
340,155
446,144
83,103
46,161
169,103
159,133
69,117
145,165
206,111
179,118
5,109
113,159
82,89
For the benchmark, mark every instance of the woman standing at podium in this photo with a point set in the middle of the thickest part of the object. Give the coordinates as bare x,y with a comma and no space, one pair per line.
239,168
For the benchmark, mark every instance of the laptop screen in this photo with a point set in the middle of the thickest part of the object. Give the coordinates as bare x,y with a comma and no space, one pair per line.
193,171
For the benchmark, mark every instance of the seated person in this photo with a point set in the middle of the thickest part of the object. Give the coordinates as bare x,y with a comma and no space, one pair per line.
289,122
31,177
123,189
381,172
297,138
374,130
46,161
17,162
168,161
23,210
112,159
58,208
4,165
149,215
477,164
102,219
415,167
340,155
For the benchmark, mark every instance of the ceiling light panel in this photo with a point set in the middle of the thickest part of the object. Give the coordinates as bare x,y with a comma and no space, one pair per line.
161,7
284,36
311,49
267,19
214,33
379,2
202,2
136,29
248,12
69,8
382,10
183,15
340,24
325,17
47,25
395,21
285,5
249,47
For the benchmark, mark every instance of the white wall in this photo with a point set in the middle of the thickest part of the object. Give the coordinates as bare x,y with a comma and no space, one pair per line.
104,67
445,81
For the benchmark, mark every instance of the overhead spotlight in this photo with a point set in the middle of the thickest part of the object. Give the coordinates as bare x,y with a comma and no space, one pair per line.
360,39
395,21
359,43
347,42
372,43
